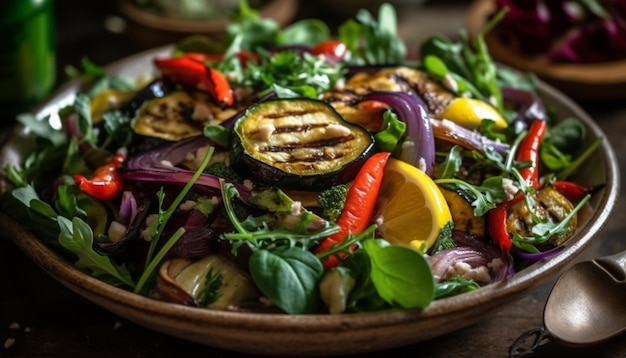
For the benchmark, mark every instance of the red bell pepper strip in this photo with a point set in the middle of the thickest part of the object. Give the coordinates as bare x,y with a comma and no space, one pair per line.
333,50
190,71
243,56
359,206
528,151
106,183
572,191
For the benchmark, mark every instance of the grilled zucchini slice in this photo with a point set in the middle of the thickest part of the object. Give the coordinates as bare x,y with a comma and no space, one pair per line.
179,115
298,143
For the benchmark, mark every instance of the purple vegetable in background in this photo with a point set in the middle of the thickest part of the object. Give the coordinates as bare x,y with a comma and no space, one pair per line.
563,31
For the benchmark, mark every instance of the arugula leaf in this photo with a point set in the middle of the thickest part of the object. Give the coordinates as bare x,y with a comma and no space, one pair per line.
157,230
85,123
29,197
117,126
452,164
77,237
468,64
303,74
486,195
42,129
289,277
544,229
401,275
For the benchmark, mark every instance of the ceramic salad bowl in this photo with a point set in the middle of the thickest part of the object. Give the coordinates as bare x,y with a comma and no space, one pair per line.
290,335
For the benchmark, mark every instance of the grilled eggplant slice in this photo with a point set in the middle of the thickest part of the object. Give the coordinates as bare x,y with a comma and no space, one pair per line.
298,144
393,79
179,115
550,205
463,212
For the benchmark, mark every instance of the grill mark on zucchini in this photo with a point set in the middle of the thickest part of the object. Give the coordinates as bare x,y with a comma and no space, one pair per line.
284,139
403,79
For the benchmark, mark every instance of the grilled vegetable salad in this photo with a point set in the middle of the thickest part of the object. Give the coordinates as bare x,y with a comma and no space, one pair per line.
300,172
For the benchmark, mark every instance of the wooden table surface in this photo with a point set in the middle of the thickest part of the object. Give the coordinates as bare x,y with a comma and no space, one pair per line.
55,322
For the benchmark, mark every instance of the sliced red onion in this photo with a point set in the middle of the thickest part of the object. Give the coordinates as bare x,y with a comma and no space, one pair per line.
412,111
474,252
442,261
195,243
527,104
165,158
181,176
470,139
160,165
539,255
128,208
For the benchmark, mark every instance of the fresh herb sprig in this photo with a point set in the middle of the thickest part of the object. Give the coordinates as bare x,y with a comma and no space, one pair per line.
152,260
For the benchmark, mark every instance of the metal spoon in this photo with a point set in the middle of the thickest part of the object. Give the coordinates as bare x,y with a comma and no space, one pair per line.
587,305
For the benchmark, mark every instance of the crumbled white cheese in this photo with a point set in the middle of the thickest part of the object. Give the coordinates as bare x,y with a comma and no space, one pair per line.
116,231
510,189
421,164
496,264
187,205
479,274
335,287
150,221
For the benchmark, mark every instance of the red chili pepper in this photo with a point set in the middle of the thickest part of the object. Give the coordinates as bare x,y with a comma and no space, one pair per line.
528,151
190,71
333,50
106,183
359,206
572,191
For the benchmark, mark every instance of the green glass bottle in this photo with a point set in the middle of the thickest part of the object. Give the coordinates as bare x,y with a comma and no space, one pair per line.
27,55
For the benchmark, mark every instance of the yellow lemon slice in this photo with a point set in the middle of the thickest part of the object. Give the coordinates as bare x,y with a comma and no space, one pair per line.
469,112
412,210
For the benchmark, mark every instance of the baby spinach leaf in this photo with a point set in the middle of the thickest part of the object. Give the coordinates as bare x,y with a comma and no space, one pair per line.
289,277
454,286
401,275
363,297
305,32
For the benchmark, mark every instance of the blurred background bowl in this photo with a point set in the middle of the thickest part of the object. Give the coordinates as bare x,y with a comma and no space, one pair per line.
157,24
348,8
